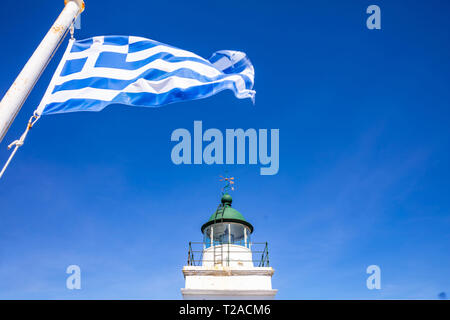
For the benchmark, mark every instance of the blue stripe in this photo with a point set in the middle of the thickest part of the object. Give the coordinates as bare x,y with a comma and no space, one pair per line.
144,99
143,45
216,57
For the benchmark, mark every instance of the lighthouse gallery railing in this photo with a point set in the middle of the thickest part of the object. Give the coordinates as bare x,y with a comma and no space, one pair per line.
260,253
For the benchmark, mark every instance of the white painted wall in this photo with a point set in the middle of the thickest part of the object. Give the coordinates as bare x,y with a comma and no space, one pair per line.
220,282
228,255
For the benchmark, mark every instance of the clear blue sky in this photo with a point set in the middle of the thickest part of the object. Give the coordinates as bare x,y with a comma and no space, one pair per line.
364,153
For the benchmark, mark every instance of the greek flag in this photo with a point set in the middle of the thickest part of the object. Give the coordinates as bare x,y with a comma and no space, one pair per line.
135,71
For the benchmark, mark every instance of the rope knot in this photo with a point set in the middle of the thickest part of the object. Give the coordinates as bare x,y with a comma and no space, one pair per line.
18,143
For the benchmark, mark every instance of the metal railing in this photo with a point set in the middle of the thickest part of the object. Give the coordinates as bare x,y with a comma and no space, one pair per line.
259,251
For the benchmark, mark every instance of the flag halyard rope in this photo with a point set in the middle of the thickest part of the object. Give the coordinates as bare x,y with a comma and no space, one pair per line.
19,142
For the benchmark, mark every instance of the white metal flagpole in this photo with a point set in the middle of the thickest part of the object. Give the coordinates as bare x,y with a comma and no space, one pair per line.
27,78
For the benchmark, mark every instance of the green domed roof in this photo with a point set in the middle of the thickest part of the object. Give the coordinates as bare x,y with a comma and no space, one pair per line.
226,213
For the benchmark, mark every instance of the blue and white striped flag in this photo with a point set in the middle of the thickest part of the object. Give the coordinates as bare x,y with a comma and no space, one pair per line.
99,71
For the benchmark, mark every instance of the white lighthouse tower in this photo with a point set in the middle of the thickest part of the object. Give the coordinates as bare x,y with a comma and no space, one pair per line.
227,264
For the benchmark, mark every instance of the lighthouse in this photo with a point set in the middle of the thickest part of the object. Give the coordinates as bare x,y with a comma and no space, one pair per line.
227,264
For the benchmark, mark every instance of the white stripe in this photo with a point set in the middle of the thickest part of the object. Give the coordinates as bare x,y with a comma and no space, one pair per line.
144,54
134,39
85,93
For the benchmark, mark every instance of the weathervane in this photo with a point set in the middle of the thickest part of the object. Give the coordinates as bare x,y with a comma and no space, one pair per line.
229,182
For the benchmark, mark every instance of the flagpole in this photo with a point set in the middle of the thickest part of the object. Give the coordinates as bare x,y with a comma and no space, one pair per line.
27,78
